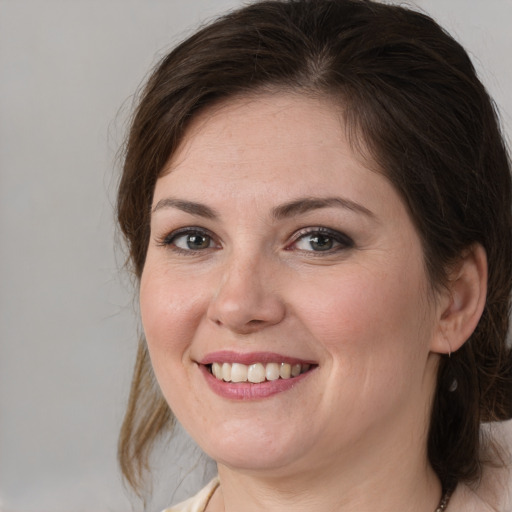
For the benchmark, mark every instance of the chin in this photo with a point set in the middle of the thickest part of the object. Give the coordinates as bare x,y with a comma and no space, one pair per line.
250,450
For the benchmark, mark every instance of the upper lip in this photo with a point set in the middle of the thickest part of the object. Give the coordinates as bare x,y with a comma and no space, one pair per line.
228,356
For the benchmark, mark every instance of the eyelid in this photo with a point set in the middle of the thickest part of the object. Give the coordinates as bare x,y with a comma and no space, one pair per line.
167,239
344,241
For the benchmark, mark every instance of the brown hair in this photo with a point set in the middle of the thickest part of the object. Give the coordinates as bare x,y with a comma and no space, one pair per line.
410,92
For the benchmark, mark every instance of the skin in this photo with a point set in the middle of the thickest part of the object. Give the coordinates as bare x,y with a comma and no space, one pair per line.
352,434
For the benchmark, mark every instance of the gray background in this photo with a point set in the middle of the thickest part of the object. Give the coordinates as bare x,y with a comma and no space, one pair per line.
67,319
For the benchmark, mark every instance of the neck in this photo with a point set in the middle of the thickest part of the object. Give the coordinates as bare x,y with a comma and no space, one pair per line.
387,486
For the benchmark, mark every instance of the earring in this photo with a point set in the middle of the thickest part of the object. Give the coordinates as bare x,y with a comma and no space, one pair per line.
453,386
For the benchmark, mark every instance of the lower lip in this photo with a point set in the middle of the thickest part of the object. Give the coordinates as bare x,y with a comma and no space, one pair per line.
249,391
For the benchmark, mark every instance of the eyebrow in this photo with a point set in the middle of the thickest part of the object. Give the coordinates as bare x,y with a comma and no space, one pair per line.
286,210
307,204
186,206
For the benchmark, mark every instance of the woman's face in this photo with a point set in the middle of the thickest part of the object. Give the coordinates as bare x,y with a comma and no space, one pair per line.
275,250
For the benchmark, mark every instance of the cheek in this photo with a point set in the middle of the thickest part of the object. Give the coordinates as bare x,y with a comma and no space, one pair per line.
169,311
170,314
370,319
374,331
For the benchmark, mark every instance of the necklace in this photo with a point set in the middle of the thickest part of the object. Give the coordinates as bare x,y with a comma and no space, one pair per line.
443,504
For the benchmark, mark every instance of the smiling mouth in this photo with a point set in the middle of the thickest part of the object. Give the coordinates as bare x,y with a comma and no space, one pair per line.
257,372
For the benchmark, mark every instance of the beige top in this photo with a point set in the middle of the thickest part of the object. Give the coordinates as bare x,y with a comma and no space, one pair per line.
198,502
463,500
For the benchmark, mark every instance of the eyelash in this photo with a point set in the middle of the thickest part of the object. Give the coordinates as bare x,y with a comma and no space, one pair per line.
169,240
338,240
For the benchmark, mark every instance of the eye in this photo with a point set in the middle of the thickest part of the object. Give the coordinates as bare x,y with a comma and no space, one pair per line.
189,239
193,241
321,240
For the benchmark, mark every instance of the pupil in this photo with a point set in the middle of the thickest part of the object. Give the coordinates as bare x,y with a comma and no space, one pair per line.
321,242
198,242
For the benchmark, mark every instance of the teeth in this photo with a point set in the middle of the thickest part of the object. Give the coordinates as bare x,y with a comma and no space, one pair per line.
286,371
272,371
217,370
258,372
226,372
238,372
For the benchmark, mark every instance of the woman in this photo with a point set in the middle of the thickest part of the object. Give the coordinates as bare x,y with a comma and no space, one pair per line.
317,202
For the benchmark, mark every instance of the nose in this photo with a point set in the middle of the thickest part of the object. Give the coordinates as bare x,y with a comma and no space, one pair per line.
248,297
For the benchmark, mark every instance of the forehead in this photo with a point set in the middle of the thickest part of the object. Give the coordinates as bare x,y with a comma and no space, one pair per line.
273,128
269,150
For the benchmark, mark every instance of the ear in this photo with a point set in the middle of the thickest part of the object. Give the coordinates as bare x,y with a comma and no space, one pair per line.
461,305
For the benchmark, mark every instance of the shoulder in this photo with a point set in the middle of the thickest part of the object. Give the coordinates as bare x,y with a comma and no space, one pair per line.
465,499
494,491
198,502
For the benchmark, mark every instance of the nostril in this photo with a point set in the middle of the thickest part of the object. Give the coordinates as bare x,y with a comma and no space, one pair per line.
248,327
